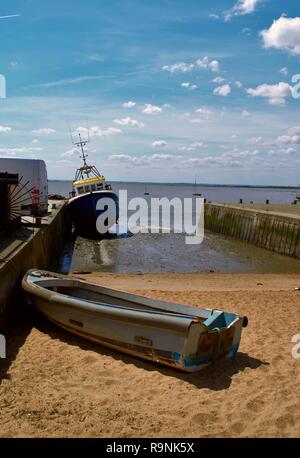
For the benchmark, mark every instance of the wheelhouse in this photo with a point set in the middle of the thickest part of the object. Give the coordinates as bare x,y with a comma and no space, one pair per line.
89,185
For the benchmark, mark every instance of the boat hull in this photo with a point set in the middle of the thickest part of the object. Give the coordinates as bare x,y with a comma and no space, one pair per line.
179,336
94,213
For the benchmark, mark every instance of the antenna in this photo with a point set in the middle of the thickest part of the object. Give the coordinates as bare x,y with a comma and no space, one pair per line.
81,144
88,128
71,134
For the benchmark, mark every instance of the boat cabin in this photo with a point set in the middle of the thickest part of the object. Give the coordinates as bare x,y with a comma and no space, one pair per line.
90,185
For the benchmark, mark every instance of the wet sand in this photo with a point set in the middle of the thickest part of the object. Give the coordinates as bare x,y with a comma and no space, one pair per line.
55,384
149,253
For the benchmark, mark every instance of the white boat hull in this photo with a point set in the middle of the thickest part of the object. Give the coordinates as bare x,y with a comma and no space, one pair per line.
183,337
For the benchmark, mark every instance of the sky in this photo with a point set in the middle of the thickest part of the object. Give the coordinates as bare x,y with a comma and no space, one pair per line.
168,89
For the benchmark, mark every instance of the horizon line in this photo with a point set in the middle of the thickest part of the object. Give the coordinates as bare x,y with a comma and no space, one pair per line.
193,184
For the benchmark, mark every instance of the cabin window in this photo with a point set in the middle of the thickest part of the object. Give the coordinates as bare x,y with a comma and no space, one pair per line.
93,186
99,186
80,190
87,189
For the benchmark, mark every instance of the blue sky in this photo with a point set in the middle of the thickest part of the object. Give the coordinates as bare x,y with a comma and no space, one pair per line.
170,88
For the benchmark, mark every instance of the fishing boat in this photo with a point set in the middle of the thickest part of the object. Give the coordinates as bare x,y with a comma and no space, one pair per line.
180,336
93,205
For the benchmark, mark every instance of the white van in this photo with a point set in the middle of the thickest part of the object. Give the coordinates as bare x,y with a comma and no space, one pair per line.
31,194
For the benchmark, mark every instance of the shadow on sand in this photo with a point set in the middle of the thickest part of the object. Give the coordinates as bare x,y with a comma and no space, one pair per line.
216,377
15,339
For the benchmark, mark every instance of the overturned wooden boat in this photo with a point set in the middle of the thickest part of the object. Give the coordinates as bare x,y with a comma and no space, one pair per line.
184,337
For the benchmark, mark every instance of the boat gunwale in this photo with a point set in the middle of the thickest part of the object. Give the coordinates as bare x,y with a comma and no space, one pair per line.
195,312
100,191
158,319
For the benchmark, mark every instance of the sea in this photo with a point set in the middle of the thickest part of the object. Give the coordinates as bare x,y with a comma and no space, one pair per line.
214,193
168,253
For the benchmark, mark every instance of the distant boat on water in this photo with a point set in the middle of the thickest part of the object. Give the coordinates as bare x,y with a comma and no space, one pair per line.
196,193
146,193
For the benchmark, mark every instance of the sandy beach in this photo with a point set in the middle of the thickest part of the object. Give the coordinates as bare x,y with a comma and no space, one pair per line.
55,385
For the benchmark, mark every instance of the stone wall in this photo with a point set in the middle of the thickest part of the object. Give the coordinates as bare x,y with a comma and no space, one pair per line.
272,231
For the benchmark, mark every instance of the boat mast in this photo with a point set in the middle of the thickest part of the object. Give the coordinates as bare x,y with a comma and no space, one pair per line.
82,144
86,171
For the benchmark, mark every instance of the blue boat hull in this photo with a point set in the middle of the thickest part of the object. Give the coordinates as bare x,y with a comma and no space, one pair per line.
94,213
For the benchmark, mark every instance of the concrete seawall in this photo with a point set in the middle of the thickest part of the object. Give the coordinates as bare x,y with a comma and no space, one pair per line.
27,249
278,231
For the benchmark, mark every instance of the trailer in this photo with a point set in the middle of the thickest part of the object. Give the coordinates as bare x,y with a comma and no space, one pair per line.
29,196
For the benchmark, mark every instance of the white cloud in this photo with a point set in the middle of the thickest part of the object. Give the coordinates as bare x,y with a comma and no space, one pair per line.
197,120
96,131
159,144
237,153
10,16
204,112
23,150
282,152
151,109
65,82
279,101
283,34
218,80
35,141
189,86
70,153
241,8
289,151
192,147
233,159
180,67
153,160
223,90
129,122
255,140
295,130
45,131
203,115
238,84
129,104
206,64
5,129
214,16
185,115
247,31
286,139
245,113
276,93
284,71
